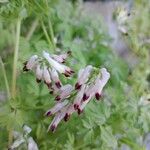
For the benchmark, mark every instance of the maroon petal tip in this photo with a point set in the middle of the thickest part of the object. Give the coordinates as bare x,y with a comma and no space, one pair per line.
25,69
76,106
52,128
51,92
58,84
77,86
66,74
72,71
85,97
66,118
69,52
48,84
38,80
97,96
57,98
48,113
79,111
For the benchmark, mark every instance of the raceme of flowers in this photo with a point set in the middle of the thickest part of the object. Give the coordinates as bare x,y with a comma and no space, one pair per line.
68,98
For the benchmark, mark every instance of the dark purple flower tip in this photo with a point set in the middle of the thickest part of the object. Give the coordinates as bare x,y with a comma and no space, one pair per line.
58,84
76,106
51,92
25,68
69,52
52,128
71,71
48,85
25,63
67,116
85,97
78,86
80,111
97,96
38,80
66,74
63,61
57,98
48,113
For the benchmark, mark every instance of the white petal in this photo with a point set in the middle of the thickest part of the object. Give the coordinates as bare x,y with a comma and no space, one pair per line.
39,72
64,92
79,97
32,62
59,116
17,143
59,67
56,108
46,75
84,75
31,144
27,129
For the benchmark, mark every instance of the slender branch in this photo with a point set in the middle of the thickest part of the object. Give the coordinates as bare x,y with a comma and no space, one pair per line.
51,32
5,78
10,137
50,27
14,75
32,29
46,34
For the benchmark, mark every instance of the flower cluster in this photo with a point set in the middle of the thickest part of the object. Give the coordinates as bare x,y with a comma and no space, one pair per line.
86,88
68,98
23,139
122,17
48,67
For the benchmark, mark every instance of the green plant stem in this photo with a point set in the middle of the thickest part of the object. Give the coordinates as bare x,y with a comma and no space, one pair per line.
46,34
32,29
50,27
10,137
5,78
14,75
51,33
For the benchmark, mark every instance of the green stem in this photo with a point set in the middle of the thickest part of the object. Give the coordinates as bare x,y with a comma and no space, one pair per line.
51,33
14,75
5,78
32,29
46,34
50,27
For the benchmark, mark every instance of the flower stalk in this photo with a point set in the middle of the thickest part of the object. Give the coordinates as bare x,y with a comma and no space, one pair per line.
14,75
5,78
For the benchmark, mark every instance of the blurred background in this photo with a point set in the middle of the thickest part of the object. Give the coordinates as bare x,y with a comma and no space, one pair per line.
112,34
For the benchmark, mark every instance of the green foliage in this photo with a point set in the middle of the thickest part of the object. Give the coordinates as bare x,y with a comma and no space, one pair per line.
117,119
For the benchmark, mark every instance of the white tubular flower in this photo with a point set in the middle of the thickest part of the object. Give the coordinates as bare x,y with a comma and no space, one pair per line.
122,16
89,92
123,30
54,89
55,77
31,63
61,58
79,97
59,116
83,76
46,76
59,67
17,143
69,111
83,104
31,144
56,108
58,58
100,83
39,73
27,129
64,92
